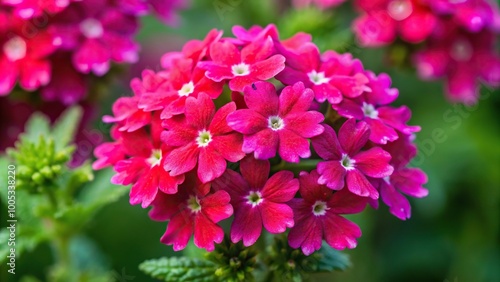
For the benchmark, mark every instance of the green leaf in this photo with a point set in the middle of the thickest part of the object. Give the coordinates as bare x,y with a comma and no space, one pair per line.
65,127
331,259
37,125
179,269
101,192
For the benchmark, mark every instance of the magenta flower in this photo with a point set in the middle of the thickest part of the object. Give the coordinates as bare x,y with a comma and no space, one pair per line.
277,123
372,108
404,180
330,77
127,114
317,216
253,63
193,210
345,164
144,166
168,91
23,59
97,33
464,59
202,138
258,200
384,20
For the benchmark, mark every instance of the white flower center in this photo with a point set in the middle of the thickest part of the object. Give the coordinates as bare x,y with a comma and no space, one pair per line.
240,69
254,198
317,78
461,50
155,158
193,203
275,123
186,89
91,28
387,179
15,49
399,9
204,138
319,208
347,162
369,111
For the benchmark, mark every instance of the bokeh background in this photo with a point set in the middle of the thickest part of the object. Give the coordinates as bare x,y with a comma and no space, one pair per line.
453,234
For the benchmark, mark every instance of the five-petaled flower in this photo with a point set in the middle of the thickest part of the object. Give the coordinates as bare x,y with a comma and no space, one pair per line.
202,138
258,200
317,216
345,164
277,123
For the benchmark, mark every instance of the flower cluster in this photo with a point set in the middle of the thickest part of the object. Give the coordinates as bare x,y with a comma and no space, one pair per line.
70,40
458,39
221,129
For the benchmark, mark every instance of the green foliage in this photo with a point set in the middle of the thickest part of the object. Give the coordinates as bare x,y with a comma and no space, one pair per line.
54,202
288,264
235,262
180,269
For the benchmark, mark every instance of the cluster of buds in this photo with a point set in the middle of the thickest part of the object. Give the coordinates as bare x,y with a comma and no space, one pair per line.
55,46
457,39
220,130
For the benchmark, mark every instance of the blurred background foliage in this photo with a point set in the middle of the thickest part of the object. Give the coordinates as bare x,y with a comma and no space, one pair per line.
453,234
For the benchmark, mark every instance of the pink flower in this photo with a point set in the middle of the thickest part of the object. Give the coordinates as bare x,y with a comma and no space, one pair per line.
372,108
317,216
345,164
202,138
277,123
330,76
27,9
169,91
258,200
192,210
384,20
97,33
404,180
253,63
22,58
127,114
464,59
144,166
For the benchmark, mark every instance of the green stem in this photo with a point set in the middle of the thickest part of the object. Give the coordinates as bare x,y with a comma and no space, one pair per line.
306,165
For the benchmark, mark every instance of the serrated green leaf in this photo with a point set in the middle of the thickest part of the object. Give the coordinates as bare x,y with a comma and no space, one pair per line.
65,127
37,125
331,259
179,269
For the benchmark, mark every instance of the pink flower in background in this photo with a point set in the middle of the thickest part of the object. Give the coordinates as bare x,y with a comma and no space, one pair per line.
330,77
258,200
97,33
371,107
193,210
253,63
345,165
24,59
457,39
463,59
35,36
275,123
202,138
384,20
317,216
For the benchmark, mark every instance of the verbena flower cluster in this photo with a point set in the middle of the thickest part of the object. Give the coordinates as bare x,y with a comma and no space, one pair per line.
69,39
457,39
217,131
